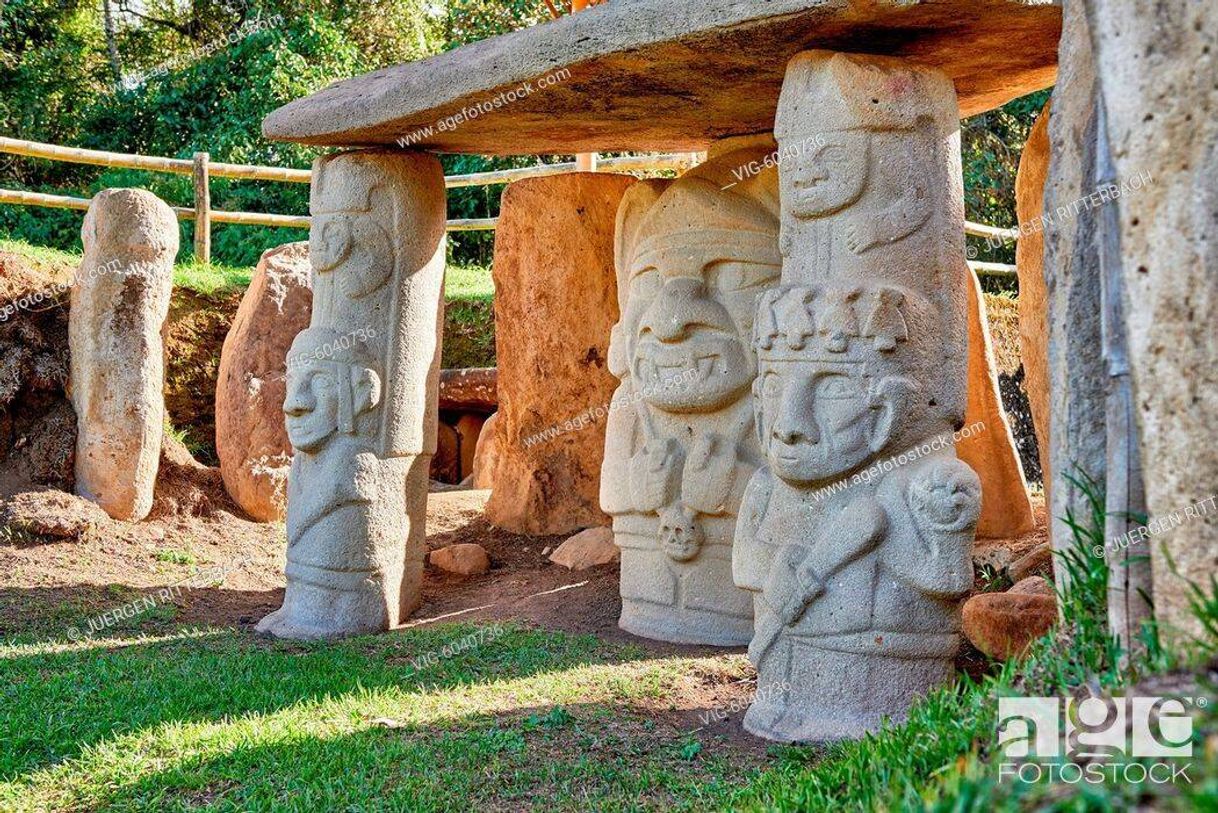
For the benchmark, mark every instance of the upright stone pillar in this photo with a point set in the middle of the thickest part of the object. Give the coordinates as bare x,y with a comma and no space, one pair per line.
692,256
1077,385
361,396
856,537
555,303
119,305
1158,69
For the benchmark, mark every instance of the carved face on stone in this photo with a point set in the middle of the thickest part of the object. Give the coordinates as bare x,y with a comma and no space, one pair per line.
689,287
680,534
311,405
823,173
820,421
327,390
355,248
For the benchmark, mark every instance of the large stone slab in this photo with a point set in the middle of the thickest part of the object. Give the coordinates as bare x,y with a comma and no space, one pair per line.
1158,74
666,74
119,304
1030,266
251,440
555,304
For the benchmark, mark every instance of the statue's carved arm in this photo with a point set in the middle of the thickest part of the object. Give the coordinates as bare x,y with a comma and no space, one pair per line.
944,500
799,574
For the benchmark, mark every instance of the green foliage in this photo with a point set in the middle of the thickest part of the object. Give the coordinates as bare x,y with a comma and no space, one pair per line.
211,96
990,146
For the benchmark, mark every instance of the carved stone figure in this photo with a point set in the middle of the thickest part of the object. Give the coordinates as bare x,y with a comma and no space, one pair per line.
119,305
856,536
361,396
692,256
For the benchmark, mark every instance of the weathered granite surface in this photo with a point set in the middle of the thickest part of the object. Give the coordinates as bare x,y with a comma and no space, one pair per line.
361,396
665,74
693,255
117,379
1157,64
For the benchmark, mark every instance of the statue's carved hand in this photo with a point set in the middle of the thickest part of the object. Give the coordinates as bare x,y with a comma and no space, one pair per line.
709,473
792,584
654,470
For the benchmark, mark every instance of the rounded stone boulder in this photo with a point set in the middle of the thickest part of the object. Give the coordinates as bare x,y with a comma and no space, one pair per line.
1003,625
251,440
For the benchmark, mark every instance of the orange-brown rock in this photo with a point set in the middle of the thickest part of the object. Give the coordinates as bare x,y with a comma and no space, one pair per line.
469,388
1033,585
486,455
555,305
586,549
1030,265
464,559
251,441
1003,625
468,429
1006,510
446,463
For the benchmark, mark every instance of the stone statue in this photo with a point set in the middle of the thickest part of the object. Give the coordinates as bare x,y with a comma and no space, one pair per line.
361,405
692,257
856,536
117,381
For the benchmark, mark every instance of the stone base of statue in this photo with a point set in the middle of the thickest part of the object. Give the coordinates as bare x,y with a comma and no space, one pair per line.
822,700
682,602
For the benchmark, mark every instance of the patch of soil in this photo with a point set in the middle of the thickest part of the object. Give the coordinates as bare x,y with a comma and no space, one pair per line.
194,336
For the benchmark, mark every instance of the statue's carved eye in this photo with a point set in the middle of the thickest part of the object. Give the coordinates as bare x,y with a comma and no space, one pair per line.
738,276
771,385
645,284
837,387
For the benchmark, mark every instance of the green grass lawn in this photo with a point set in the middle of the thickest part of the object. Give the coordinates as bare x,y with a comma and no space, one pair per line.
161,717
460,282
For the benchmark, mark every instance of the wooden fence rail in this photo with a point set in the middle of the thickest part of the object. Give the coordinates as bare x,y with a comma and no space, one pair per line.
201,168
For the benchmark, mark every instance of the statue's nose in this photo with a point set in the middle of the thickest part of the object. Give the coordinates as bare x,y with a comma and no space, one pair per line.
678,307
795,422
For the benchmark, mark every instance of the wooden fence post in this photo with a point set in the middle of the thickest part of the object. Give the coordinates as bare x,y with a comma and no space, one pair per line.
202,210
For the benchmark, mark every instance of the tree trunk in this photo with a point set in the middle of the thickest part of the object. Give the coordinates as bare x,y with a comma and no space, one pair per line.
116,64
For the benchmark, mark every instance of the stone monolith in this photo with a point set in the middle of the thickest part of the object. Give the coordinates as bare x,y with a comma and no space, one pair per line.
361,396
692,256
1157,64
251,440
1077,381
1030,266
117,381
555,302
989,448
856,537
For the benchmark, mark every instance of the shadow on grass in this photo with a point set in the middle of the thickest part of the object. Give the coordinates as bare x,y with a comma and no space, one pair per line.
602,756
60,698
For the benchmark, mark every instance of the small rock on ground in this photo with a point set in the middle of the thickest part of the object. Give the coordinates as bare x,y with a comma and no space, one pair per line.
466,559
588,548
